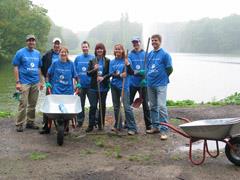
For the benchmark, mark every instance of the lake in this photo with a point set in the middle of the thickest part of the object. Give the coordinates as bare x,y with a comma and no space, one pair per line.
200,77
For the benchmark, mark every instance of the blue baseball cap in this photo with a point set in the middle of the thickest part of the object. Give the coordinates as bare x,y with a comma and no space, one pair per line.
136,39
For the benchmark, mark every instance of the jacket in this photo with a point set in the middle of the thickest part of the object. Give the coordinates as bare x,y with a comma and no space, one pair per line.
93,73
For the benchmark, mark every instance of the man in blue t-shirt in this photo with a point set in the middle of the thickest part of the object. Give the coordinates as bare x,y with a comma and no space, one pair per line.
81,66
47,60
137,81
159,67
27,63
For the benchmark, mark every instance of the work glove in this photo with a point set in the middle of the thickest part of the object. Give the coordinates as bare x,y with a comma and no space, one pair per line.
17,95
48,85
143,83
78,85
141,72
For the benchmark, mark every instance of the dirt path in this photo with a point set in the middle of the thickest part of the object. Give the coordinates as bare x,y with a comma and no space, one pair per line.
29,155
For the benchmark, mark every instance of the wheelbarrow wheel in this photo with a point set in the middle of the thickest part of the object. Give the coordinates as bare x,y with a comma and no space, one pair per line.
60,134
233,155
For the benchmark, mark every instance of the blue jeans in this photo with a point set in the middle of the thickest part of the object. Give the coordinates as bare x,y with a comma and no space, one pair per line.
158,106
116,95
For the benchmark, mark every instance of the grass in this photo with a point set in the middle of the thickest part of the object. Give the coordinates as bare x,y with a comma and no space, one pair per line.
100,142
38,156
233,99
182,103
5,114
85,152
139,157
114,152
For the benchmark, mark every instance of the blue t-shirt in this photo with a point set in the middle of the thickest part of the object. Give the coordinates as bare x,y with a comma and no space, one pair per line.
100,73
157,62
55,57
61,76
28,62
137,59
81,65
117,65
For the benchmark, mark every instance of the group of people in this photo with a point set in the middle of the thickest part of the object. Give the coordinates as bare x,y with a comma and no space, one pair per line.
94,75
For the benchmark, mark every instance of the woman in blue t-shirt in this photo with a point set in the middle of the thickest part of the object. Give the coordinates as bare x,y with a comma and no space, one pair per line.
61,74
120,69
98,70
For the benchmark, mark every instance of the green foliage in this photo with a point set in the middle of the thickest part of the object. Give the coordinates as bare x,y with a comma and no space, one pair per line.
202,36
5,114
38,156
19,18
139,157
181,103
233,99
85,152
112,33
114,152
100,142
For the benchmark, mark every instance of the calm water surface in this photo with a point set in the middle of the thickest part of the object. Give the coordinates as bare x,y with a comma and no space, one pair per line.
200,77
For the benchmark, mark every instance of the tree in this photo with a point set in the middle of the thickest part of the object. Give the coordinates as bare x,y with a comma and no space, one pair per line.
16,23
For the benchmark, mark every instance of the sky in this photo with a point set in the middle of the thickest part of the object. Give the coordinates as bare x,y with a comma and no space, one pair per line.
82,15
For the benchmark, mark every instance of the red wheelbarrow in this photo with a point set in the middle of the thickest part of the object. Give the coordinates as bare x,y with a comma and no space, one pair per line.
226,130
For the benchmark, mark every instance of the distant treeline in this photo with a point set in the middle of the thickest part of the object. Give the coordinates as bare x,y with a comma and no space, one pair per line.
17,19
112,33
202,36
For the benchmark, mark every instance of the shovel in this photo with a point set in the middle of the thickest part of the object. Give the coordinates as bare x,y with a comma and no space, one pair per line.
138,101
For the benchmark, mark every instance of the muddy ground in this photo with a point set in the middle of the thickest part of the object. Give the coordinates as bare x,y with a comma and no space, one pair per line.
29,155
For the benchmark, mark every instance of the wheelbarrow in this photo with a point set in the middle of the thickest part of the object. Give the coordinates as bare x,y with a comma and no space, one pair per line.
60,109
226,130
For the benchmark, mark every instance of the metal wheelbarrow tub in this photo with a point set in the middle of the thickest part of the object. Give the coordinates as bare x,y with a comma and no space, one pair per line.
71,103
214,129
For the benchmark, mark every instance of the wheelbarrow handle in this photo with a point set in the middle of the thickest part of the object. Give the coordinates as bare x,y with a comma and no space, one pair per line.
175,129
76,91
183,119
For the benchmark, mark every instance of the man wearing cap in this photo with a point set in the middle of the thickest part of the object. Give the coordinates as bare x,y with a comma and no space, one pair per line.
27,63
47,60
137,81
159,67
81,65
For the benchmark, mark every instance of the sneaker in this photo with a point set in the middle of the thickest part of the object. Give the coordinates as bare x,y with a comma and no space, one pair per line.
130,132
31,126
44,131
79,125
152,131
19,128
115,129
89,129
163,137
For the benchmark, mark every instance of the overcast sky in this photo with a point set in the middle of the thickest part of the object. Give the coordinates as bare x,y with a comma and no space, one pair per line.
82,15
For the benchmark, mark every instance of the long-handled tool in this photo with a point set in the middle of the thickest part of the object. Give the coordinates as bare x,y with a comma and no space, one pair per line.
100,105
138,101
122,92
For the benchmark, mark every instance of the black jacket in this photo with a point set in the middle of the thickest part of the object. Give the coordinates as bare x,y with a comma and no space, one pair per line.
46,62
93,73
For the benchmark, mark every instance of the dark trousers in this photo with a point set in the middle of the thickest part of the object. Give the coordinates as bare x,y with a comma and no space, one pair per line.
83,93
94,100
143,93
45,118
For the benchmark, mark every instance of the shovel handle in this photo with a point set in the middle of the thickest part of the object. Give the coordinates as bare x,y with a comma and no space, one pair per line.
49,90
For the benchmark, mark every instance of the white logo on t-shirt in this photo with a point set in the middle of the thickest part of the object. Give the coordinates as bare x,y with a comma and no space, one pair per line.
32,65
84,68
61,77
137,67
